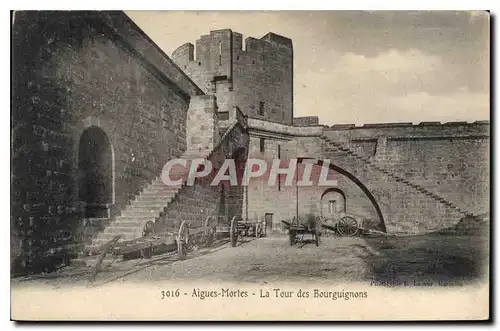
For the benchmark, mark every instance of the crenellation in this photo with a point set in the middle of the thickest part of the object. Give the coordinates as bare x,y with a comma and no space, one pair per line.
237,42
183,55
278,40
259,78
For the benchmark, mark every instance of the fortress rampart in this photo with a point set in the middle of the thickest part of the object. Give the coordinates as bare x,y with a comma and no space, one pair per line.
258,79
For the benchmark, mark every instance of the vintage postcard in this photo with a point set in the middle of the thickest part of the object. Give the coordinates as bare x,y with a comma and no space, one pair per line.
250,165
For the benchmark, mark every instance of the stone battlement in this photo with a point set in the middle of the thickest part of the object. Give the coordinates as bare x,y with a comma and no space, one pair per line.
403,124
258,79
187,52
435,130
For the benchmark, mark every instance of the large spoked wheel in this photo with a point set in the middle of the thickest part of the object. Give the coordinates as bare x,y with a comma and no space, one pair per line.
183,240
316,237
233,232
209,233
258,230
347,226
320,220
149,229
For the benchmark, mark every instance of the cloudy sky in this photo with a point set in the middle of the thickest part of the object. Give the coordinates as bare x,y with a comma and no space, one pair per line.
362,67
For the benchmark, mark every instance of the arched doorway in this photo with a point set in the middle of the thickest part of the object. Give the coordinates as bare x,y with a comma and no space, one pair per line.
96,178
333,203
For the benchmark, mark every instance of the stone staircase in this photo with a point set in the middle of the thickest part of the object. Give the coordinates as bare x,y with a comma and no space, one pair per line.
342,147
150,204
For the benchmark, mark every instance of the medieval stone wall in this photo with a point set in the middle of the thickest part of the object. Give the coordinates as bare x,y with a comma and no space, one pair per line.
451,159
96,74
75,71
421,177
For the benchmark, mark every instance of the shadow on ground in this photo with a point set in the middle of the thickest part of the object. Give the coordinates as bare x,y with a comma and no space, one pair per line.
117,270
434,259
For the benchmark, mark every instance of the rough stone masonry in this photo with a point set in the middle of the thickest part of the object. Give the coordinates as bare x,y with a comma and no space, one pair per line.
98,109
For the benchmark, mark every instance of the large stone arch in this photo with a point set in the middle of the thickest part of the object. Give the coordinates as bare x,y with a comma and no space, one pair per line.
356,181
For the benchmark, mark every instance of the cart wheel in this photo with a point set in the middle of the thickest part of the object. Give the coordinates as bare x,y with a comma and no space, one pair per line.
292,236
149,229
147,253
347,226
209,233
183,240
233,232
211,236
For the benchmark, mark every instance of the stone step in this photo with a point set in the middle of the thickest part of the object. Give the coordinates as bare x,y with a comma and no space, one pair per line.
134,218
123,228
166,198
131,233
141,212
132,223
163,191
103,238
146,209
160,189
148,204
156,192
161,184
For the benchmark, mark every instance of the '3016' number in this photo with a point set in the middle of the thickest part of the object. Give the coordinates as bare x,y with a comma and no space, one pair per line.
170,294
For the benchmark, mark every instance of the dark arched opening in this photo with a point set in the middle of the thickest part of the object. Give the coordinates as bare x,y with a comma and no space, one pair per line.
358,183
95,165
332,203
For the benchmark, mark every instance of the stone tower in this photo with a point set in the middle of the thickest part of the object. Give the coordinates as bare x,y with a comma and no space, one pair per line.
257,80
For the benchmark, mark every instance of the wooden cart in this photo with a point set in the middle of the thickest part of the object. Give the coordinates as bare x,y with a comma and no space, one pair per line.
297,231
346,226
238,228
185,240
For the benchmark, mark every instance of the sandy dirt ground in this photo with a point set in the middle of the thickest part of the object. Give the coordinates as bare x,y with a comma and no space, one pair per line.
392,260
